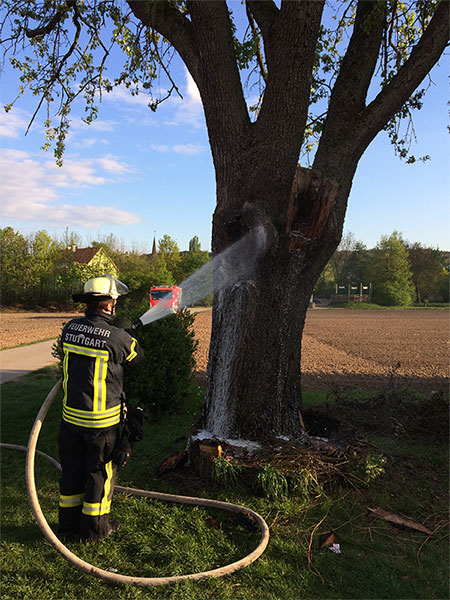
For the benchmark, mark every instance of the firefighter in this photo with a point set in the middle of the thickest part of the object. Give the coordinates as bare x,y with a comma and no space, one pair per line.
95,353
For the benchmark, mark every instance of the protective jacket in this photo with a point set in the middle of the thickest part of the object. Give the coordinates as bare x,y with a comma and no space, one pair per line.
95,352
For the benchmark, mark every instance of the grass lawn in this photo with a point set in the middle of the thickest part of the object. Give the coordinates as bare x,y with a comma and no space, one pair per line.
377,559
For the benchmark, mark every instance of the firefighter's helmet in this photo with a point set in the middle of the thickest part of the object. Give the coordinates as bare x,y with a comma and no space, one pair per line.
105,287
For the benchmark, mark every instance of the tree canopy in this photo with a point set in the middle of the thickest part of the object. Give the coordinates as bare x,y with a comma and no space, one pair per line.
64,50
329,76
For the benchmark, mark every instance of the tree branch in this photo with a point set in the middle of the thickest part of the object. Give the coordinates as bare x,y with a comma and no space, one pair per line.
348,96
205,44
166,71
259,55
166,19
265,13
361,57
422,59
55,76
350,125
219,80
45,29
289,71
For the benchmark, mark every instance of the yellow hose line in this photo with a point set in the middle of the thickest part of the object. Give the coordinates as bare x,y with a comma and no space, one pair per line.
116,577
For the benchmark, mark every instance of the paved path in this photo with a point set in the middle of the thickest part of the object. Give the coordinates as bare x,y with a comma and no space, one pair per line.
17,362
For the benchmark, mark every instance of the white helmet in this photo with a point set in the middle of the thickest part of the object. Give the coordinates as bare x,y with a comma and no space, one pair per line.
101,288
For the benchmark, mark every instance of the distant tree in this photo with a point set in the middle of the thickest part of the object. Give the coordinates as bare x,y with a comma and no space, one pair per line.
160,274
110,243
357,266
69,239
192,260
444,259
43,251
349,263
428,274
14,263
135,271
194,244
72,276
169,252
326,284
391,272
339,259
139,273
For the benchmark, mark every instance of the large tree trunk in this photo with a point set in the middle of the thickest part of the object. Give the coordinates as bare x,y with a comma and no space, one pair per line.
254,366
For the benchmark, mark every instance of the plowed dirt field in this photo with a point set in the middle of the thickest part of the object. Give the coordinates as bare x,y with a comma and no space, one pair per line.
342,349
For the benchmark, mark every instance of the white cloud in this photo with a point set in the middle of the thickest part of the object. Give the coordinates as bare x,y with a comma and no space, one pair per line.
187,149
89,142
189,110
93,216
29,191
192,89
13,123
12,154
110,164
161,147
175,110
79,173
102,125
122,95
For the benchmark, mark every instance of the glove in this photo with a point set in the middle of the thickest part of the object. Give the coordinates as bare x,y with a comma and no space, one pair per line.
122,451
131,433
134,421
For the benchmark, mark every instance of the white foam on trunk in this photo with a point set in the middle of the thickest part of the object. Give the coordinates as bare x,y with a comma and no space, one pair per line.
247,444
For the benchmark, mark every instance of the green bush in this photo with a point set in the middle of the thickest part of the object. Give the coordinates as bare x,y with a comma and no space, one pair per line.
161,382
393,294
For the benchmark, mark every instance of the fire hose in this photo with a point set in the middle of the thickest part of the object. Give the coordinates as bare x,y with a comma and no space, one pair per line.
108,575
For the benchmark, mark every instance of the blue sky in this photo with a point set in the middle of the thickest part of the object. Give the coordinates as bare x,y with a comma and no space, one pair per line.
134,172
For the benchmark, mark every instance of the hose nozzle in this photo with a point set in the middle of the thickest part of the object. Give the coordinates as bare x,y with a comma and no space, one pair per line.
136,323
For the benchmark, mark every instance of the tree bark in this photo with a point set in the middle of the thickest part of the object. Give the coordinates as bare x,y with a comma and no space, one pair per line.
254,387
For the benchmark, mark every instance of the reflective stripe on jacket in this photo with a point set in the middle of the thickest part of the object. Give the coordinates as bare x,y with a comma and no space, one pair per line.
95,353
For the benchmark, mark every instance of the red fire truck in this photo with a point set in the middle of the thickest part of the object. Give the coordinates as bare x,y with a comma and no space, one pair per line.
170,296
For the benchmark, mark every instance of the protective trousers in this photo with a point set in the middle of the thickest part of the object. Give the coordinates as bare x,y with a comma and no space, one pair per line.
87,481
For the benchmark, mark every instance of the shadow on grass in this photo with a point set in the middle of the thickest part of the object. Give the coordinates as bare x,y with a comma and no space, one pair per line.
334,381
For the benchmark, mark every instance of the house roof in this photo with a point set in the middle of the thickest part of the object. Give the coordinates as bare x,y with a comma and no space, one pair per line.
85,255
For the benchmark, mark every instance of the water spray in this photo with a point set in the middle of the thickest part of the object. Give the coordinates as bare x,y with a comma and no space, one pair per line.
233,265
